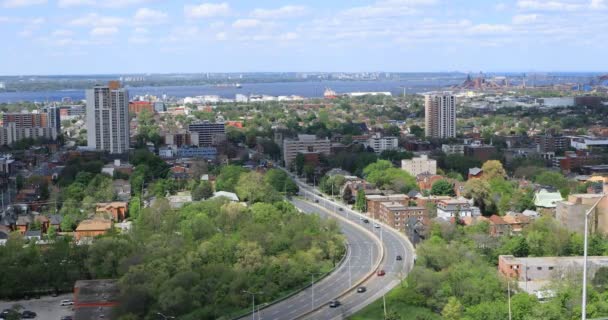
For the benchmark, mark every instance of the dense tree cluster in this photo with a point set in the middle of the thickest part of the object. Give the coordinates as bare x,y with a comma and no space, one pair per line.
385,176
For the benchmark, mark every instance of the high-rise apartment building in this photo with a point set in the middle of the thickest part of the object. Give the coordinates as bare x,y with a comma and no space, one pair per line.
35,125
440,115
206,133
305,144
108,118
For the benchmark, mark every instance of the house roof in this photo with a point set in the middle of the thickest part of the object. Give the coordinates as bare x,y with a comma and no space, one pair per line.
475,171
230,195
55,219
23,220
94,225
41,219
115,204
546,199
496,219
3,235
33,233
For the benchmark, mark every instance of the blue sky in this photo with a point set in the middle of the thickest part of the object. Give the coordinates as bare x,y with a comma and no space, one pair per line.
139,36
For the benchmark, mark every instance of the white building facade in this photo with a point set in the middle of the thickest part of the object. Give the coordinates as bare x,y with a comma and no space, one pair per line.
440,115
108,118
419,165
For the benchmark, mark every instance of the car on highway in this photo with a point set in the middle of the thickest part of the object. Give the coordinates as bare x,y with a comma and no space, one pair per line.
26,314
361,289
9,314
67,318
316,200
340,209
334,303
365,220
376,225
381,273
399,258
67,303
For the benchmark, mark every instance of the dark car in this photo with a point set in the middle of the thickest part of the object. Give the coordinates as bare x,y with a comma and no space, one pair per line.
366,220
28,314
334,304
361,289
399,258
340,209
67,318
316,200
9,314
381,273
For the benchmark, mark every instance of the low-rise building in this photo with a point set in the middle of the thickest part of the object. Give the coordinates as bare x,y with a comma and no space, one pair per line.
419,165
116,210
480,151
305,144
91,228
452,148
452,208
571,213
396,214
546,201
374,202
380,143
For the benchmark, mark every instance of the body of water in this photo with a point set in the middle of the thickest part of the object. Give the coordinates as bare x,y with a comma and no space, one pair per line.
304,89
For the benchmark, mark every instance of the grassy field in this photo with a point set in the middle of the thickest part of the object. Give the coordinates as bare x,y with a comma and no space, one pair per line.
395,304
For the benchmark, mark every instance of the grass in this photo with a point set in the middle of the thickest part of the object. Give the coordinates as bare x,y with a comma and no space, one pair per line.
395,304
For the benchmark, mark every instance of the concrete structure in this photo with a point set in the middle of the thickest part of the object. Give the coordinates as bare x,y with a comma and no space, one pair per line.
19,126
419,165
533,273
571,213
447,209
305,144
550,143
178,139
108,118
452,148
206,134
440,115
53,116
380,143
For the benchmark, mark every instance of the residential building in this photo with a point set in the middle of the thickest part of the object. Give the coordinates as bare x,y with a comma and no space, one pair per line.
136,107
160,107
475,173
419,165
91,228
305,144
116,210
117,166
479,151
546,201
452,208
589,143
225,194
53,117
426,180
122,188
440,115
207,153
380,143
452,148
178,139
576,161
550,143
206,134
19,126
396,214
107,118
374,202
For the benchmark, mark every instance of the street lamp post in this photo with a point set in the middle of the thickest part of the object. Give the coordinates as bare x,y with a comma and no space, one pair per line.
312,289
252,302
584,302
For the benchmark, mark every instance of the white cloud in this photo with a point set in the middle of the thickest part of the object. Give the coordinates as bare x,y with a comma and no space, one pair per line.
149,16
221,36
500,7
62,33
289,36
139,39
140,30
99,3
22,3
103,31
75,3
550,5
598,4
524,18
489,28
207,10
246,23
288,11
387,8
96,20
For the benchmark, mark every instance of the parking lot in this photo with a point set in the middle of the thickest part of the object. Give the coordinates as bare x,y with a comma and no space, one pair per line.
46,307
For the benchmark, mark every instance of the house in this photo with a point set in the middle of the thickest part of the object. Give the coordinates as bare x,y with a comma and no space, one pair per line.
33,235
475,173
425,180
452,208
117,166
117,210
517,221
498,226
229,195
55,221
43,221
374,201
4,233
91,228
122,188
415,230
546,201
23,223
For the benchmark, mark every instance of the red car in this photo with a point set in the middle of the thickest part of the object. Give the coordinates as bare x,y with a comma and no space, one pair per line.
381,273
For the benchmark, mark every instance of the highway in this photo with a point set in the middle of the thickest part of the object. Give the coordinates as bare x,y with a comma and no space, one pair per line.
360,265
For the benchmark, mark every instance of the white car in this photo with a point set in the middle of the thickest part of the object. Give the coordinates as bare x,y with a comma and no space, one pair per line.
67,303
376,225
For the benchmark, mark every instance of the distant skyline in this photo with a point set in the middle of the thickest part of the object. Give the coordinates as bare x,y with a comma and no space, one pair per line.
159,36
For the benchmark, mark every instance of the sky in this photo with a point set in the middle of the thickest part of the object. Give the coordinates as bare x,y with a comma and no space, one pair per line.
162,36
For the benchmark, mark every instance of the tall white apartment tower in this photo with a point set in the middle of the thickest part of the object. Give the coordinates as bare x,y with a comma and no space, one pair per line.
108,118
440,115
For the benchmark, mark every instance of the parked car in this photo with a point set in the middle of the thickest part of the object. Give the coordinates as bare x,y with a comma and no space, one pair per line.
399,258
361,289
26,314
381,273
9,314
334,304
67,302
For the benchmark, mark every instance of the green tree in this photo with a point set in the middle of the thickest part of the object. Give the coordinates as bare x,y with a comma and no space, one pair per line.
600,280
252,188
417,131
299,163
228,178
202,191
360,202
347,196
443,188
493,169
452,310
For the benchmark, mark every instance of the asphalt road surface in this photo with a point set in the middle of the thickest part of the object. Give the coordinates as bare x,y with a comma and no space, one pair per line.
360,262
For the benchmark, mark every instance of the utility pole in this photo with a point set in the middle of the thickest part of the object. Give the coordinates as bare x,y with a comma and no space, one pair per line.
509,296
312,289
252,302
585,256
